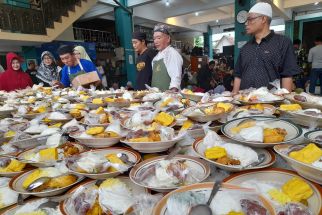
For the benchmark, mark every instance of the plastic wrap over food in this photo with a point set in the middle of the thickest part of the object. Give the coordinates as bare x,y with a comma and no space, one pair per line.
73,126
20,136
166,133
22,109
277,90
115,196
54,140
152,96
152,89
144,203
115,127
92,118
295,209
205,98
127,95
7,196
211,138
82,200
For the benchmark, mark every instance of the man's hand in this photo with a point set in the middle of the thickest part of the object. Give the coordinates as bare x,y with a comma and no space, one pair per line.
56,83
287,83
236,86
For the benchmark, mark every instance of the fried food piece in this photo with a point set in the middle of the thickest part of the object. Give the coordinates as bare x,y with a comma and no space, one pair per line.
308,154
106,134
164,119
228,161
113,159
274,135
297,189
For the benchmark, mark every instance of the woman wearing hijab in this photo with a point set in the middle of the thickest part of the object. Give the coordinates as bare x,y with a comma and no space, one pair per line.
14,78
48,71
80,53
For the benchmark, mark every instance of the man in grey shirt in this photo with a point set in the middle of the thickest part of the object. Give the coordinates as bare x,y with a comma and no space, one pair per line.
315,57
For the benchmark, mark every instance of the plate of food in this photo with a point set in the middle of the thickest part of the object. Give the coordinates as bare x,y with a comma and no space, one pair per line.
305,160
148,120
8,197
195,129
283,188
30,112
25,141
103,163
57,116
251,110
188,94
96,118
230,199
258,96
6,110
45,156
230,156
110,196
261,131
307,117
117,102
98,136
10,167
152,141
306,100
44,182
173,103
163,175
314,136
32,206
208,112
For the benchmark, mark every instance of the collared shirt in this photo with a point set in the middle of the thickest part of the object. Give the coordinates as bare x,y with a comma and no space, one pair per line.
173,62
144,69
315,57
259,64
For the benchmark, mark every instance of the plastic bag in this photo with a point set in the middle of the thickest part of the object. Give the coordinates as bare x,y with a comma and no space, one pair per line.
166,133
115,127
144,203
295,209
82,200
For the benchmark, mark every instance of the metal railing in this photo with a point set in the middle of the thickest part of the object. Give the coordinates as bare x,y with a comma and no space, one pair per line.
22,17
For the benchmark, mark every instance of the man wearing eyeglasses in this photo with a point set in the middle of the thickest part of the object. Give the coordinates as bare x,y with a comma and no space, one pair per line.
265,58
167,64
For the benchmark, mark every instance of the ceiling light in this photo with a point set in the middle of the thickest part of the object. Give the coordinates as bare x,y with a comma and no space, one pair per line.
167,3
316,3
196,14
217,20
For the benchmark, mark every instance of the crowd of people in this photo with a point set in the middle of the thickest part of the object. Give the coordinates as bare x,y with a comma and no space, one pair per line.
266,57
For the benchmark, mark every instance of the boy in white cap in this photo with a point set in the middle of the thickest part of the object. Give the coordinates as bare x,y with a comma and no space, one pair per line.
265,58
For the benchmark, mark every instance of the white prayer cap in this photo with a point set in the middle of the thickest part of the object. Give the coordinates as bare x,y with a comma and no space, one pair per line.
262,8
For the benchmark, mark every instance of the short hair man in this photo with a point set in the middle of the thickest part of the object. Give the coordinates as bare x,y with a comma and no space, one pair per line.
73,67
167,64
265,58
143,61
315,57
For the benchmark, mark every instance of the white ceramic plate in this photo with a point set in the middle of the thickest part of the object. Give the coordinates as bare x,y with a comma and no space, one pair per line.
133,157
278,177
161,207
96,142
136,190
196,164
268,161
311,135
293,131
40,164
152,147
308,171
302,119
16,185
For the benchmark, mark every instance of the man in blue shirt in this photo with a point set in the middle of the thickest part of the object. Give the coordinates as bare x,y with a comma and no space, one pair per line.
73,67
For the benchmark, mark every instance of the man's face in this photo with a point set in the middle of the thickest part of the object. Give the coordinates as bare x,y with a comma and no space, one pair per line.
255,23
68,59
161,40
138,45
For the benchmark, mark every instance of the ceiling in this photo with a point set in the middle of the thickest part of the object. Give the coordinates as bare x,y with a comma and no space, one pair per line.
194,15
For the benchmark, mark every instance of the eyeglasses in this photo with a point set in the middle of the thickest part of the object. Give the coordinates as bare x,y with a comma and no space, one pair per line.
250,19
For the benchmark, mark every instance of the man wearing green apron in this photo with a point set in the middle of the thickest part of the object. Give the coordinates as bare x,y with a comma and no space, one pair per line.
73,67
167,64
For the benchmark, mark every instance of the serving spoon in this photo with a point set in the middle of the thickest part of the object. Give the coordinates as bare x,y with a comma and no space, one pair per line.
204,209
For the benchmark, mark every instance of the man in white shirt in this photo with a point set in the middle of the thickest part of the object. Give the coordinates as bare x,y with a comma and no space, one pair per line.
315,57
167,64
